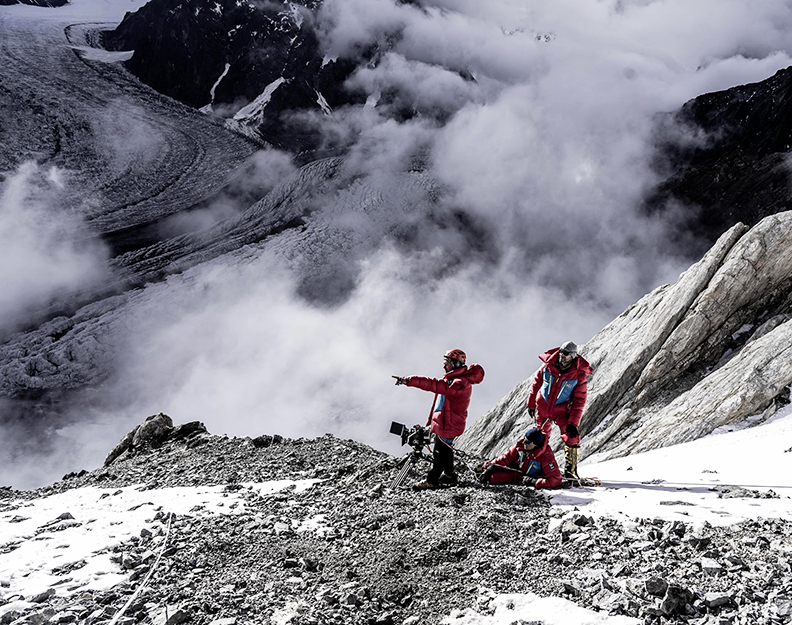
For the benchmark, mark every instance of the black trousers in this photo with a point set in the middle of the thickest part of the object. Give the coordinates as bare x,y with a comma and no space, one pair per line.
442,461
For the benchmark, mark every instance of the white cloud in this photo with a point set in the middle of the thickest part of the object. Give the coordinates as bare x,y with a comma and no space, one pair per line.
533,235
44,250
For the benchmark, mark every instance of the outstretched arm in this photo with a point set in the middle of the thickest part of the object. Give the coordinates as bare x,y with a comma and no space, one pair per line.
433,385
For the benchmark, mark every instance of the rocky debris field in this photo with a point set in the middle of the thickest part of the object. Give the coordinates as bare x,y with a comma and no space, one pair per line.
351,550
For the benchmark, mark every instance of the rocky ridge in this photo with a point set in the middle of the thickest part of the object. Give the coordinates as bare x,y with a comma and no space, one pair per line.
711,350
438,554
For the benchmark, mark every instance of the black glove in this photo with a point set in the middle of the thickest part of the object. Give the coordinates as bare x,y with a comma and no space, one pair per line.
532,412
572,431
529,481
484,477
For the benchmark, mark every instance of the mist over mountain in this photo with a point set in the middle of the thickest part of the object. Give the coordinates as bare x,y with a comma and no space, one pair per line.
250,215
366,185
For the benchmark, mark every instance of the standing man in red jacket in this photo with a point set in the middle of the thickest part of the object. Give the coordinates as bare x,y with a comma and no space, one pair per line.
558,394
449,412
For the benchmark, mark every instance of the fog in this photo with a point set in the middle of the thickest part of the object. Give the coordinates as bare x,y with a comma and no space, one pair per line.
44,249
535,123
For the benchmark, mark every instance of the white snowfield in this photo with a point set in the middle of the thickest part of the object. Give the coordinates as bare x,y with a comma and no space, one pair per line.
675,483
756,458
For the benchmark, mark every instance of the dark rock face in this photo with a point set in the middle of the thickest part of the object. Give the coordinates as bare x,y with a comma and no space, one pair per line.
730,158
226,53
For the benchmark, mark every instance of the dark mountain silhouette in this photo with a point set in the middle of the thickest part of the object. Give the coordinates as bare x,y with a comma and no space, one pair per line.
725,155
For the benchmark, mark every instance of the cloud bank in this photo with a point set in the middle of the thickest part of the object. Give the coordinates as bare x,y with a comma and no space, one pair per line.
535,122
45,252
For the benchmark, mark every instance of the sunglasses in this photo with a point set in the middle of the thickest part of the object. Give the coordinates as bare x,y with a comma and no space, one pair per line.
565,353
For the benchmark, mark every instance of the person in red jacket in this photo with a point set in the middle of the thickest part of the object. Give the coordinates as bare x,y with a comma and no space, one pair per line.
449,412
530,461
558,394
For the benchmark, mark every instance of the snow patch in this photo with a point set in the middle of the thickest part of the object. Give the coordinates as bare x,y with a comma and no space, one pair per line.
217,82
320,100
75,531
678,482
257,106
512,608
296,14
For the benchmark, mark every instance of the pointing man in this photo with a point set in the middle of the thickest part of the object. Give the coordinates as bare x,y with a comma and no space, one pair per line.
449,412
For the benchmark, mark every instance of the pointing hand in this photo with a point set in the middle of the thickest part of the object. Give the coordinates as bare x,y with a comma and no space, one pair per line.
399,380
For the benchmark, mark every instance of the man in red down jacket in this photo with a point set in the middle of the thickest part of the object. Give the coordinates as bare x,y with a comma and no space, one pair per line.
530,461
558,394
449,412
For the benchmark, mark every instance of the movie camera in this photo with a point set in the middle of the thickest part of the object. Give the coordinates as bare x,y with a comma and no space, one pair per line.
416,437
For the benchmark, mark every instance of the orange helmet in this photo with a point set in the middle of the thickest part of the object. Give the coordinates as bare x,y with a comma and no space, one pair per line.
456,354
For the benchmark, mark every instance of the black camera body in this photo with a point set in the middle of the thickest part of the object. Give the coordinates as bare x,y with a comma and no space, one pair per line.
416,437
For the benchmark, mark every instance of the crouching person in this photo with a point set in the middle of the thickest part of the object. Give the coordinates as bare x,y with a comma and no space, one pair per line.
530,461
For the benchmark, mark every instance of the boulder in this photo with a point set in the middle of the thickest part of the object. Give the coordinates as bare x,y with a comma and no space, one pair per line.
150,434
675,600
153,431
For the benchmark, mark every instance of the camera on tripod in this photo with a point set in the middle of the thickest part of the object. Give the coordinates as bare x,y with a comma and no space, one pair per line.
416,437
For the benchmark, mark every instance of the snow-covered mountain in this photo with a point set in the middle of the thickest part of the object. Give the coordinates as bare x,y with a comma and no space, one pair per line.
259,63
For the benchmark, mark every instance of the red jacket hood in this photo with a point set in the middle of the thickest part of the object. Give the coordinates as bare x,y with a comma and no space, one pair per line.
580,363
472,373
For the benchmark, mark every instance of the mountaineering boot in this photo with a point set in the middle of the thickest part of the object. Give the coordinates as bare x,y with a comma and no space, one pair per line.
449,479
424,486
571,457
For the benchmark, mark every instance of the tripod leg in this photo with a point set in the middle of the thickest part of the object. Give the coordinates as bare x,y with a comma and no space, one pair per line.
410,460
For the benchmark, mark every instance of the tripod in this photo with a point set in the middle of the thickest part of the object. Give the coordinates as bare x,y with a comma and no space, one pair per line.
409,460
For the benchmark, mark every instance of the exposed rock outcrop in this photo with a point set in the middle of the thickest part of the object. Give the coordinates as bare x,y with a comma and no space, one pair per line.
711,350
226,54
151,434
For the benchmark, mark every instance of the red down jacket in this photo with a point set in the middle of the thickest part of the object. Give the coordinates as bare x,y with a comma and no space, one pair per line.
450,414
559,397
539,463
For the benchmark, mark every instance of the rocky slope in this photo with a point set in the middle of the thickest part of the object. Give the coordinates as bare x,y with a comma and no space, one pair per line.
711,350
437,553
